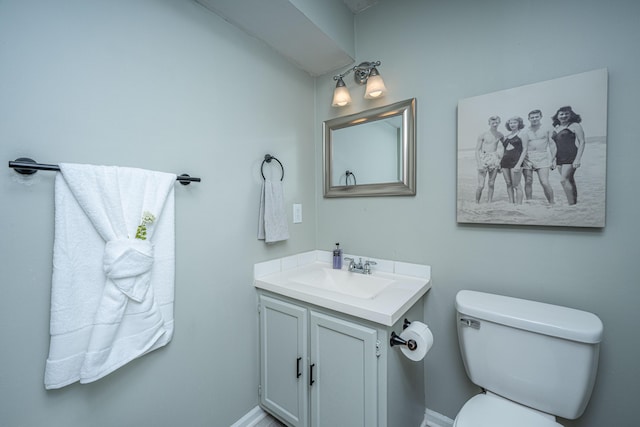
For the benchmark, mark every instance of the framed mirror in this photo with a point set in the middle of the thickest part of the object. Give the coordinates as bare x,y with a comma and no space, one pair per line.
372,153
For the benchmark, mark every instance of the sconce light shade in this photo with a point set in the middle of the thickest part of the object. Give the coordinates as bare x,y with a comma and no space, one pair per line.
375,85
341,96
365,72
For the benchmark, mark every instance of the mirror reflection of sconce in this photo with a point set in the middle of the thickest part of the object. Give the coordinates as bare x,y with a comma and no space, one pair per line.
363,73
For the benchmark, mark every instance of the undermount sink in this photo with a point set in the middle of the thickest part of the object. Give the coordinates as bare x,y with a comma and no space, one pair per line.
343,282
380,297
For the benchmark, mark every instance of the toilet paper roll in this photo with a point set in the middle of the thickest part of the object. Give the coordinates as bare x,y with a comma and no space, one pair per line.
420,333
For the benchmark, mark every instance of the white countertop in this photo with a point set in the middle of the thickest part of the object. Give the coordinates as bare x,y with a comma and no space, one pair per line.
386,307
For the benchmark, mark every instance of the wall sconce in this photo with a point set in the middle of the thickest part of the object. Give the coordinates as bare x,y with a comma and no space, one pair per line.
365,72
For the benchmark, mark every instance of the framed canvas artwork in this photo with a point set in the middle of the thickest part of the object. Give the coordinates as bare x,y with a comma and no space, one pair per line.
535,154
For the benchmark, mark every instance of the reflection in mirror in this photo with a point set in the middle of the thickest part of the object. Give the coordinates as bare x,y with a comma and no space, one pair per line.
381,140
371,153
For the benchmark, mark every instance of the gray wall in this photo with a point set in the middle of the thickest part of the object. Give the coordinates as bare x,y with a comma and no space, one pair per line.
163,85
443,51
167,85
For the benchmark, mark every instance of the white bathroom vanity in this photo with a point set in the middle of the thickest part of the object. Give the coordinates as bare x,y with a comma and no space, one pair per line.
325,358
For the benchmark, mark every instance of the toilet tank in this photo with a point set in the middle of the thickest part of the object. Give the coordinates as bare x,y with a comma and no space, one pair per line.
540,355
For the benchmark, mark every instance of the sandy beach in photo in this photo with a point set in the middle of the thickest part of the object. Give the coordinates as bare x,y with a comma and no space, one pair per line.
588,212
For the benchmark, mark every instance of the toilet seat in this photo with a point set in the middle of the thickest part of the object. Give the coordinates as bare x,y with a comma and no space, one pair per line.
489,410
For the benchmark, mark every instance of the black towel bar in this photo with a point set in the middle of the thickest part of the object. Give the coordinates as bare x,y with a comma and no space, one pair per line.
26,166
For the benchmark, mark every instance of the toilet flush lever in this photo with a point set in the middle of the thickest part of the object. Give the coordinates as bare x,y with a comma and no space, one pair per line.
472,323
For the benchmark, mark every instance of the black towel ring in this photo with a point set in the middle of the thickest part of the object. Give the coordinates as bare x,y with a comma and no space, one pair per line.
346,178
268,158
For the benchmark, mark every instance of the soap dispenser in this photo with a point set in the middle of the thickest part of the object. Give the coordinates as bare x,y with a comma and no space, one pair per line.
337,257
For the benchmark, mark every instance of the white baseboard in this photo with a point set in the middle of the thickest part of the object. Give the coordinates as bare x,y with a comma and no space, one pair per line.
431,419
252,418
434,419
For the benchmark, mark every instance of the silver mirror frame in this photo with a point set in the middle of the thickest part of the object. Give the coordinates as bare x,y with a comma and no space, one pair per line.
405,187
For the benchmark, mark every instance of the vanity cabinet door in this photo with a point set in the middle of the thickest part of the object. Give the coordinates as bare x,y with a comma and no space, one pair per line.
343,373
283,360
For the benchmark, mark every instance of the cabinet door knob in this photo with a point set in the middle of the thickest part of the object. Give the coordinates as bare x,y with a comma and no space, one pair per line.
311,381
298,373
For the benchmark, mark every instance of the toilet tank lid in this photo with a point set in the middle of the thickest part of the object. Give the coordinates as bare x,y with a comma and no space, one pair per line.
547,319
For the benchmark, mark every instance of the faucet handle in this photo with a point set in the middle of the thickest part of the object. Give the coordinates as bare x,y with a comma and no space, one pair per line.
367,266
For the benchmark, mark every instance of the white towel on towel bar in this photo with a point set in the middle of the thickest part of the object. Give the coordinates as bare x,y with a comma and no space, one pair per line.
112,293
272,222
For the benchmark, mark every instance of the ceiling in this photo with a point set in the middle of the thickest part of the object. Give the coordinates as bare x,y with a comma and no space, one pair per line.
358,6
286,28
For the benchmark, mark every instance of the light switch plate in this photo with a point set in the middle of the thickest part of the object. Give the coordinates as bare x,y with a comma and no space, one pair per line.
297,213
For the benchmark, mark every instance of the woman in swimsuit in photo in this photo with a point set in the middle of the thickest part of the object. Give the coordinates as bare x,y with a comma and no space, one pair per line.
515,150
569,138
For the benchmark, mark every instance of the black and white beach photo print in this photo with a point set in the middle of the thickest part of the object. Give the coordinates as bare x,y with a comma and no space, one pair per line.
535,154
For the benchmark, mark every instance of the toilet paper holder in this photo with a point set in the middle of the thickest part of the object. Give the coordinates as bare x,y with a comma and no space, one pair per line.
396,340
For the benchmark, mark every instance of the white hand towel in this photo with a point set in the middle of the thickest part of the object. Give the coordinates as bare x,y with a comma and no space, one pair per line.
272,222
112,294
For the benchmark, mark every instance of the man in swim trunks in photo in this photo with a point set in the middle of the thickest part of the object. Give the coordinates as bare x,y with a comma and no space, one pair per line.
541,156
488,155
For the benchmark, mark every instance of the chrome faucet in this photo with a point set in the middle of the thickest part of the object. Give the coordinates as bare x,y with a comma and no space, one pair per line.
360,267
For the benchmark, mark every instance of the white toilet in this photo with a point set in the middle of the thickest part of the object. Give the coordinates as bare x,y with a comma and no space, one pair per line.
535,361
